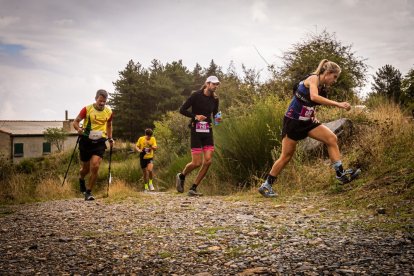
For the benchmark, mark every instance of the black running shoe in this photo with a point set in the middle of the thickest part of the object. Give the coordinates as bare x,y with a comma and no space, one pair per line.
348,176
179,183
192,192
89,196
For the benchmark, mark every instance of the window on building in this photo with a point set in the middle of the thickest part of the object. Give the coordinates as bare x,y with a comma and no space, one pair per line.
18,149
46,148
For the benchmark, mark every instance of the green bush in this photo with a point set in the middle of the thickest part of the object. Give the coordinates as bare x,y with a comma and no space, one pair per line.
27,166
173,140
247,137
173,137
247,142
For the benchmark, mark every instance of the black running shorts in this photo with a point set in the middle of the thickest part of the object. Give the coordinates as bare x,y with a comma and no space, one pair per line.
201,140
88,147
297,129
144,162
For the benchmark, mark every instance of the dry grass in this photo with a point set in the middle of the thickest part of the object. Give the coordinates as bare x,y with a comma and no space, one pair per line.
381,146
15,190
51,189
119,190
21,190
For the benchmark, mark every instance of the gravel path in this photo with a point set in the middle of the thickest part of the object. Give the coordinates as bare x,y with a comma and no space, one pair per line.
166,233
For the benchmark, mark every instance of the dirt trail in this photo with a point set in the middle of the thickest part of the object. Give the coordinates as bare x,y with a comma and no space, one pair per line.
166,233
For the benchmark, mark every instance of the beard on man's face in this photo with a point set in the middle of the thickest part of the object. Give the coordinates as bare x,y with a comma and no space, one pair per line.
101,106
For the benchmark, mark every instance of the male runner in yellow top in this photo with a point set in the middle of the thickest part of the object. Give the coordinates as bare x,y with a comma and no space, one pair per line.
97,128
146,145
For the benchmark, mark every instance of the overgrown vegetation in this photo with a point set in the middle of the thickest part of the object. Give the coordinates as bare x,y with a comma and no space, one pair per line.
247,144
39,179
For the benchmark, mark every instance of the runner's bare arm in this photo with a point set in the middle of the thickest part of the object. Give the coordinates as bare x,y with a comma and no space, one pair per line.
76,124
315,97
109,131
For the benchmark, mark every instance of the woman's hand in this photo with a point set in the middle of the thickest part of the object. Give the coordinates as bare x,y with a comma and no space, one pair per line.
200,117
344,105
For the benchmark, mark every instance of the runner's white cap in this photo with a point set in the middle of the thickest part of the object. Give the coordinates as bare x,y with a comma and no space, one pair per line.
213,79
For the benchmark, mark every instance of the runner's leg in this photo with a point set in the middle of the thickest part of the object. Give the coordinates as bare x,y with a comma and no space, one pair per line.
326,136
150,168
196,161
208,155
288,149
150,176
95,162
84,169
145,176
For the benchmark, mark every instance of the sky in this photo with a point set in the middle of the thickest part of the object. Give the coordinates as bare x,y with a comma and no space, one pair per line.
54,55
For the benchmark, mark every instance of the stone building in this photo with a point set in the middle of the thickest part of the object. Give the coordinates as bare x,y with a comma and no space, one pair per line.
24,139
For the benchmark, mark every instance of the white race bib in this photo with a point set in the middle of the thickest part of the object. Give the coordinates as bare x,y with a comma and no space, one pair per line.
95,135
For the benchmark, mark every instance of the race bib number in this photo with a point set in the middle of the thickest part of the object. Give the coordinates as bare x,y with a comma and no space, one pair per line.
95,135
306,113
202,127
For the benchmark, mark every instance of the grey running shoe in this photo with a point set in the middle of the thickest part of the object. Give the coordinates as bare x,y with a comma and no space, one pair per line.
89,196
192,192
179,183
348,175
266,190
82,186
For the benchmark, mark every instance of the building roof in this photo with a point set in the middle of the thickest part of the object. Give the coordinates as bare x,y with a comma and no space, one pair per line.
28,127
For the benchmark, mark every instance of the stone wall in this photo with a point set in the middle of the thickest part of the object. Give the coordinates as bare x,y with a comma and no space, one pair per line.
33,146
5,145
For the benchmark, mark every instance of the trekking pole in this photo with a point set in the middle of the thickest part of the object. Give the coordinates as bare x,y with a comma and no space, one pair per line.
109,171
70,162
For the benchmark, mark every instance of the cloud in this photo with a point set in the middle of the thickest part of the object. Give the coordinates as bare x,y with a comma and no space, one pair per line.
7,109
6,21
66,50
64,23
351,3
259,9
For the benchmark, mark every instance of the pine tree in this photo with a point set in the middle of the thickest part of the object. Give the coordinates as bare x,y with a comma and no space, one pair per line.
198,77
387,82
408,87
213,70
131,102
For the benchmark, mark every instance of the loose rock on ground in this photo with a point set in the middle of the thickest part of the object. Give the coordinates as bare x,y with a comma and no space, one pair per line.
166,233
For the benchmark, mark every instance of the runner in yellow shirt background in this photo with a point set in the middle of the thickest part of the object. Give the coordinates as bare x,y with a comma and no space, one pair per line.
146,145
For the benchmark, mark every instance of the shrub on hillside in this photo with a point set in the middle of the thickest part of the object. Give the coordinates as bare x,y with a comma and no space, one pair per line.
246,139
173,137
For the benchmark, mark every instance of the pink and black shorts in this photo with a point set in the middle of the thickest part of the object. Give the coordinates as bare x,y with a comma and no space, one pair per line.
201,142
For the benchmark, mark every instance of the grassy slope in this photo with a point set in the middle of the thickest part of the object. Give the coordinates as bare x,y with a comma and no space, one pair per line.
381,146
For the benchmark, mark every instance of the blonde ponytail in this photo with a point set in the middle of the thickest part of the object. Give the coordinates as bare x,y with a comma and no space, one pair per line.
327,66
